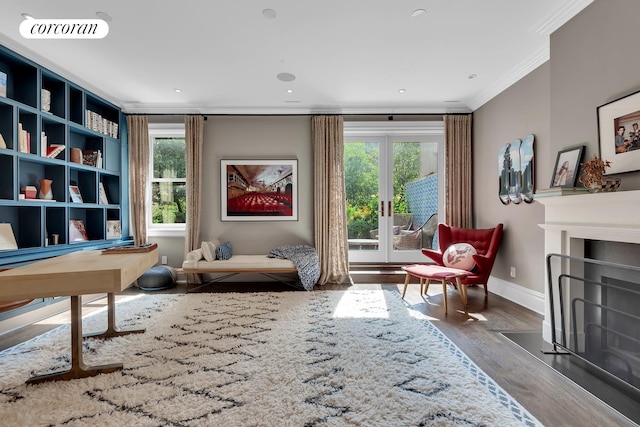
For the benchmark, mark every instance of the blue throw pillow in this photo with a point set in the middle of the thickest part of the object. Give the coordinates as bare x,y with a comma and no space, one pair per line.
224,251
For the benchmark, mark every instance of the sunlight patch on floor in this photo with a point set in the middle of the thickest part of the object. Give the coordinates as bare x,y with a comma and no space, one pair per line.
376,306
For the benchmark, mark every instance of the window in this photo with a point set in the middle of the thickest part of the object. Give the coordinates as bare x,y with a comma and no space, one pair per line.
166,210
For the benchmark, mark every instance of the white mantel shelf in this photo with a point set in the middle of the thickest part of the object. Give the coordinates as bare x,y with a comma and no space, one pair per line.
570,220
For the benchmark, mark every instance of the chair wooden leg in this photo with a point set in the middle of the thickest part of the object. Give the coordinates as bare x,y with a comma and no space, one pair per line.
406,282
463,291
426,285
486,292
444,294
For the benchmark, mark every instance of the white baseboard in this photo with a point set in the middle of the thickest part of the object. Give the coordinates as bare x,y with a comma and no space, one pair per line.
525,297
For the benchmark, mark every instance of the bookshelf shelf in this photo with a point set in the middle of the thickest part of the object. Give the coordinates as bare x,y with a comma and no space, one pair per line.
42,115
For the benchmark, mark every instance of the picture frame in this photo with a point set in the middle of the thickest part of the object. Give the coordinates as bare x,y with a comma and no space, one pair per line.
77,231
74,193
619,133
565,172
259,190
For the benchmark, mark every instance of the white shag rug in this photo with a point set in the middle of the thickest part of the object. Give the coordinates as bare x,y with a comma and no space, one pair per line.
334,358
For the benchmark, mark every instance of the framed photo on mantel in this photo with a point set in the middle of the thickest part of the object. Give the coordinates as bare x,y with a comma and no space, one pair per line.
619,134
565,172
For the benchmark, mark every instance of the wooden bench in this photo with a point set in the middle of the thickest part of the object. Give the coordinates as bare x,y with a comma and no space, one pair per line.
238,264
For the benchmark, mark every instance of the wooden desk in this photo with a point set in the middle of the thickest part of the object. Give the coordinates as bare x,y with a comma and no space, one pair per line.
75,274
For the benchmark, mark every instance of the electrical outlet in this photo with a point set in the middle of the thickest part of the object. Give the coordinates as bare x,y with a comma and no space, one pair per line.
513,272
164,260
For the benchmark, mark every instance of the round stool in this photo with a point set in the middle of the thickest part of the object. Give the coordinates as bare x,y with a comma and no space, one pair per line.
158,278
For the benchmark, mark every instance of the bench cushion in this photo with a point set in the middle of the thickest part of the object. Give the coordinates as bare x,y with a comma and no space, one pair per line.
239,263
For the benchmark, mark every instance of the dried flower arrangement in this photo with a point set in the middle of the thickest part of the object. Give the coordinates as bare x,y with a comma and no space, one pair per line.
593,171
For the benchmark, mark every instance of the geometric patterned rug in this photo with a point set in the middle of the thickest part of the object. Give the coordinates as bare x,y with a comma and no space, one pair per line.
320,358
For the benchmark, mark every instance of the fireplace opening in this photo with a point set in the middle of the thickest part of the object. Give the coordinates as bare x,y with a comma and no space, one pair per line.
596,314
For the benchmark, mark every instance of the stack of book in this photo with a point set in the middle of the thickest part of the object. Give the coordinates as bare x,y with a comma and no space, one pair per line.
96,122
24,140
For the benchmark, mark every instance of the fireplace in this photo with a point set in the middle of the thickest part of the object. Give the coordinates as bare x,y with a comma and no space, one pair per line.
598,316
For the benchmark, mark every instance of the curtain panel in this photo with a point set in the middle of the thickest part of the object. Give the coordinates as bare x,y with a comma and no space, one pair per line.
194,139
458,177
138,130
330,217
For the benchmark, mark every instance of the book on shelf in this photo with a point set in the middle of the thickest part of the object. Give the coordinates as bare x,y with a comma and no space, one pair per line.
54,149
130,249
103,195
92,158
77,232
24,140
3,144
560,191
114,230
43,143
74,192
7,238
3,84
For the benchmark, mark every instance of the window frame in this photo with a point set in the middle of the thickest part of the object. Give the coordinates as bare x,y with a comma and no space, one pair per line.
158,130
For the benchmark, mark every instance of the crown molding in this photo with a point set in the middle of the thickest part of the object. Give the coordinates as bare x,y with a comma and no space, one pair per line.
561,17
525,67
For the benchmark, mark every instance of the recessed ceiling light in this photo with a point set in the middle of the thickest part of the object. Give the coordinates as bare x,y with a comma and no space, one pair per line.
289,90
472,76
104,16
286,77
27,16
177,90
418,12
402,90
269,13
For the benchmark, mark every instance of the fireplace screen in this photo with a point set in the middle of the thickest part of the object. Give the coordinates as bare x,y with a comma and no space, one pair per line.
595,314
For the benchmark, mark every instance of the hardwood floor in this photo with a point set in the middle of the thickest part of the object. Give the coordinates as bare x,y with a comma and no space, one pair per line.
547,395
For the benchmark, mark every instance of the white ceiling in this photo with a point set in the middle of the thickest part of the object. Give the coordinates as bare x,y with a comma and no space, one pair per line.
348,56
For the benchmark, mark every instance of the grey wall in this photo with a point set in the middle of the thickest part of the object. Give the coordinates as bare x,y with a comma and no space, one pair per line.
593,60
251,137
264,137
520,110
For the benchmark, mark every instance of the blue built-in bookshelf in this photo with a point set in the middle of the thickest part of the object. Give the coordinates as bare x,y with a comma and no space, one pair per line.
40,110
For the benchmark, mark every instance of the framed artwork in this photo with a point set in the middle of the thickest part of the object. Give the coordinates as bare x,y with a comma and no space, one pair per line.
527,167
619,133
515,171
77,231
259,190
74,192
565,172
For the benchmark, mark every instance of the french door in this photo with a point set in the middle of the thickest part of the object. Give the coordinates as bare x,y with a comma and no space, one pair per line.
392,188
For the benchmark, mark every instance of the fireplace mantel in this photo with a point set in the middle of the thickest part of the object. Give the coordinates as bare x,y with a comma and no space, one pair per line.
571,219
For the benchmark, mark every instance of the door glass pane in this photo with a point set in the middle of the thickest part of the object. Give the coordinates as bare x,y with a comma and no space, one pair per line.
415,195
361,161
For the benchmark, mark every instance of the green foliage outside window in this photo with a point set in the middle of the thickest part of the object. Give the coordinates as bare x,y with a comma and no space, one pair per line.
168,191
361,182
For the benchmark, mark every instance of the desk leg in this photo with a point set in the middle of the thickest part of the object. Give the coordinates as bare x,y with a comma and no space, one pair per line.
112,330
78,368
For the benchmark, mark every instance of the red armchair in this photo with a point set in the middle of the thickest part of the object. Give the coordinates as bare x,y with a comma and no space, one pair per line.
485,241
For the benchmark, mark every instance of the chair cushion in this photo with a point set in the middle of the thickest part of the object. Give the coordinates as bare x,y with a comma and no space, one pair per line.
224,251
459,255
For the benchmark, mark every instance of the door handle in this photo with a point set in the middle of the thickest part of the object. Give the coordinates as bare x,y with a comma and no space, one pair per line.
381,207
390,213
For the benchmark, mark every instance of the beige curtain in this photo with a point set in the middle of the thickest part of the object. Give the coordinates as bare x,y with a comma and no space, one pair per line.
194,137
138,130
329,199
458,161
